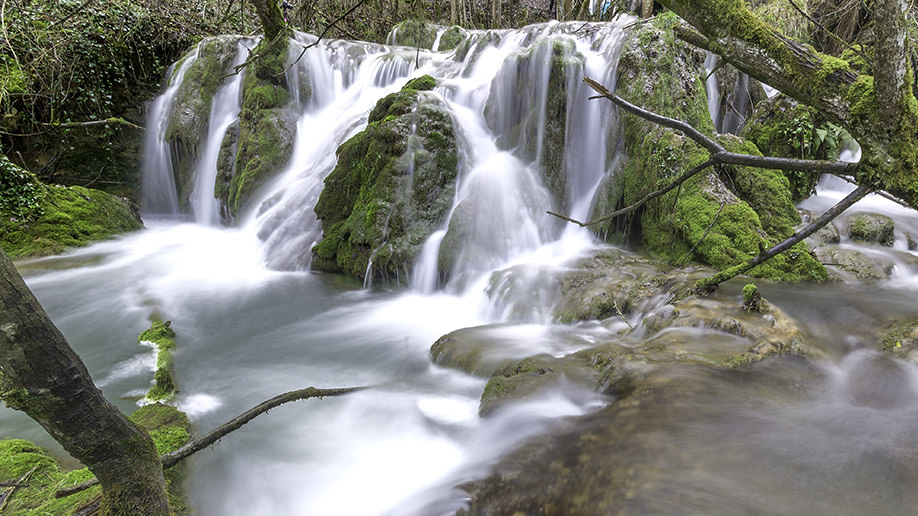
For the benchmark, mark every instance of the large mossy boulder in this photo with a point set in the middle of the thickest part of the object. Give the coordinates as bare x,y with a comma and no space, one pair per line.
40,220
190,117
720,217
528,107
392,187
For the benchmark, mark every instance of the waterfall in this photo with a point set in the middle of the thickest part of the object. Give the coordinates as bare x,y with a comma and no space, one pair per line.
159,193
224,112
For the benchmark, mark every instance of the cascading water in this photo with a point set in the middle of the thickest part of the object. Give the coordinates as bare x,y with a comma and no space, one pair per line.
223,112
252,324
159,193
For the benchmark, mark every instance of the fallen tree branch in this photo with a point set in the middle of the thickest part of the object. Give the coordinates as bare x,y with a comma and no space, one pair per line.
707,285
718,152
5,498
196,445
112,120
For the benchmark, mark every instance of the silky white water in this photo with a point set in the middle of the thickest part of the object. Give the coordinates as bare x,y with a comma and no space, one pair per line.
253,321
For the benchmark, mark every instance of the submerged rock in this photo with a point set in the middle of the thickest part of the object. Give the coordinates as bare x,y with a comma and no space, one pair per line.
872,228
392,187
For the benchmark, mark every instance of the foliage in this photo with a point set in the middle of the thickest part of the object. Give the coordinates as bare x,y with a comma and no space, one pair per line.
21,195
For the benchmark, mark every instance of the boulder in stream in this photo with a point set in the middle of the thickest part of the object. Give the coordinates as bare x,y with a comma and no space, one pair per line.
392,187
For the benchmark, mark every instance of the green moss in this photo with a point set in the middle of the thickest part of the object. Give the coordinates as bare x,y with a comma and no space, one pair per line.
18,457
901,340
163,337
51,219
422,83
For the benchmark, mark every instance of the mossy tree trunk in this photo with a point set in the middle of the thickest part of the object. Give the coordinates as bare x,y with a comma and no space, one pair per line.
42,376
272,20
877,106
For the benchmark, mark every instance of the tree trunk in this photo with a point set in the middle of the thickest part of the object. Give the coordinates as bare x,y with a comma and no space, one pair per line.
41,376
272,20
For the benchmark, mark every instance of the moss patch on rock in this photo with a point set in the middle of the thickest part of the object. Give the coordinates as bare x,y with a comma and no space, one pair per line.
40,220
392,187
872,228
163,338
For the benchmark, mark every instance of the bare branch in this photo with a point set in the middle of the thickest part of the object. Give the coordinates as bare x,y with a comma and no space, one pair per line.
708,285
719,153
171,459
644,200
322,35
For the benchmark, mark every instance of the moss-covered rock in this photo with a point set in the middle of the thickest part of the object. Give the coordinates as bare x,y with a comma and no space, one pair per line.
169,428
530,376
902,341
162,337
265,131
413,33
721,217
451,38
872,228
187,127
40,220
392,187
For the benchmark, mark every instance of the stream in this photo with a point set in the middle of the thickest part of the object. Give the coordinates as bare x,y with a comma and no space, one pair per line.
837,435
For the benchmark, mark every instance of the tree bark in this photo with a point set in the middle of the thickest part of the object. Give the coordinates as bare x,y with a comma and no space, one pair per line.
880,111
272,20
42,376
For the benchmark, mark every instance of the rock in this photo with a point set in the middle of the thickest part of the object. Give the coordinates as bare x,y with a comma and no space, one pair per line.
872,228
393,186
265,132
452,38
527,108
901,341
413,33
531,376
40,220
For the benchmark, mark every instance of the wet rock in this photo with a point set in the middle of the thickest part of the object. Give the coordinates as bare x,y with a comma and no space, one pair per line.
413,33
392,187
533,375
901,341
452,38
717,219
613,281
872,228
849,263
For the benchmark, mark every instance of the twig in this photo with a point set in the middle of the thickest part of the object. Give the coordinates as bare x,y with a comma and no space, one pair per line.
620,314
711,225
681,179
173,458
708,285
5,498
880,193
111,120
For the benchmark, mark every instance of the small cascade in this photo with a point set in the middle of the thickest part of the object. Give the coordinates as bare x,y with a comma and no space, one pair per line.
712,89
159,192
224,112
734,113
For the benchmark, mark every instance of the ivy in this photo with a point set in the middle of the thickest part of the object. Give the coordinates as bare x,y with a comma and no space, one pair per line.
21,195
